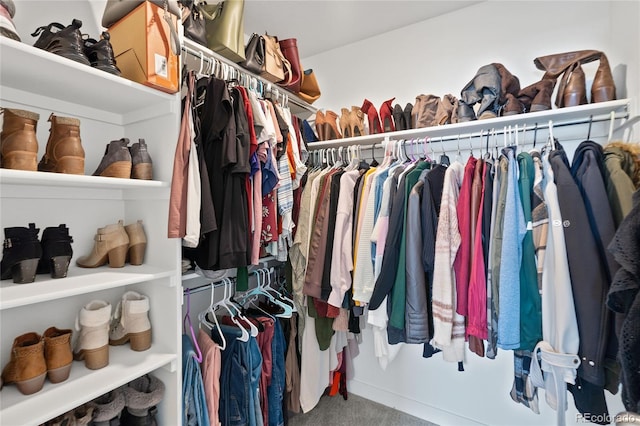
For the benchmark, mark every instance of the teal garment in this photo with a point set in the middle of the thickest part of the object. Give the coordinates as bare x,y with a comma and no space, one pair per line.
530,301
395,328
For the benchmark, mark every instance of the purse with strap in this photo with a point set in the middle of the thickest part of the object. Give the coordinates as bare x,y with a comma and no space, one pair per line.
193,22
225,28
276,66
254,52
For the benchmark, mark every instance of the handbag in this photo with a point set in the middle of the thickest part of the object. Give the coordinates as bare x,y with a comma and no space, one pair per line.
115,10
276,66
254,52
193,22
309,89
289,49
225,28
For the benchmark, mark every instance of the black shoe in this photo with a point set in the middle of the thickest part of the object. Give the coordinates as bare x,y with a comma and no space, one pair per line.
408,120
66,42
20,254
398,118
56,251
100,54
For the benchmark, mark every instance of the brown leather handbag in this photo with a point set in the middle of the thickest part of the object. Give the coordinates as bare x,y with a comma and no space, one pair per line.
289,49
276,67
309,89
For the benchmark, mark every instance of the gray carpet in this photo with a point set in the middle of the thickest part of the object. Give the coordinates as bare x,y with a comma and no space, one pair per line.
355,411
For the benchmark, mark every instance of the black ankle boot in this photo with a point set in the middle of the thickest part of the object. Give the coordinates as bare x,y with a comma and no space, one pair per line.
398,117
20,254
66,42
56,251
100,54
408,120
142,395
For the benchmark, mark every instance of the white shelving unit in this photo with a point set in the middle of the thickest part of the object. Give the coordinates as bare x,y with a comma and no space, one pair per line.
109,108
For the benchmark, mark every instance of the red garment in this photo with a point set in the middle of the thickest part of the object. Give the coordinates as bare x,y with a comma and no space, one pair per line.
462,263
269,218
249,111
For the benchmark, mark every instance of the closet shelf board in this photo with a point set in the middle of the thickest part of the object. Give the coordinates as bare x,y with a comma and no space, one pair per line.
62,180
296,104
78,281
569,115
50,76
82,386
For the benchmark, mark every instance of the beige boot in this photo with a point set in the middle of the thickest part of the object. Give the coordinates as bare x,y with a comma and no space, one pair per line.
111,245
137,242
27,367
64,153
92,344
131,322
18,142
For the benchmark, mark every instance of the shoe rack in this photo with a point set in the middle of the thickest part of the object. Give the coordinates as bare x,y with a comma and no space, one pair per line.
109,108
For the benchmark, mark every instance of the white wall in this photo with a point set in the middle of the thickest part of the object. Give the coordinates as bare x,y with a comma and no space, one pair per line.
440,56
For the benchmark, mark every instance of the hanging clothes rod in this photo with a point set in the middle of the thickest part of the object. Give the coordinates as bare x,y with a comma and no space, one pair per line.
209,286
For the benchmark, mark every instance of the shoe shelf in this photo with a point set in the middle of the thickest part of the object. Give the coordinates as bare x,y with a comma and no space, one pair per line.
61,180
78,281
297,106
57,83
82,386
560,117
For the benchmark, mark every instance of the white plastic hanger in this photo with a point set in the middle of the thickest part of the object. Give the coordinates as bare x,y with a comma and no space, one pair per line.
202,317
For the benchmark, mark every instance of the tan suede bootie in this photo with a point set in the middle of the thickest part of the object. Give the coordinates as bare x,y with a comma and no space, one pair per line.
18,142
27,367
111,245
57,354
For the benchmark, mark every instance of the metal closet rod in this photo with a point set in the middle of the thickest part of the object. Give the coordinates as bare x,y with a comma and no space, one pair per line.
204,287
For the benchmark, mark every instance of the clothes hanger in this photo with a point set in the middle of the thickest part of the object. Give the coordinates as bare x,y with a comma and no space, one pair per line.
552,140
224,303
444,158
202,317
187,320
589,129
277,297
487,151
611,123
253,329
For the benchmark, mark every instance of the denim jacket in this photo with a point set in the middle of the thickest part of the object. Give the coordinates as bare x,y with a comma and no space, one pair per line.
194,404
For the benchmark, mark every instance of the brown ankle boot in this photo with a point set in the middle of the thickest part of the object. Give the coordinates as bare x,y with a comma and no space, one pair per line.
445,109
331,126
27,367
603,87
356,121
64,153
574,86
116,161
424,110
141,164
111,245
57,354
137,242
320,121
537,96
19,146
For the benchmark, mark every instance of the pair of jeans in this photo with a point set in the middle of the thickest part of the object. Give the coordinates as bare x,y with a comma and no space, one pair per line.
194,403
275,390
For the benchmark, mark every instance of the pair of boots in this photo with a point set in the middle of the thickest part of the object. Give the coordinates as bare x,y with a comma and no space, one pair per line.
24,256
97,329
19,145
402,118
327,126
495,89
70,43
352,122
379,123
123,161
431,110
116,244
35,357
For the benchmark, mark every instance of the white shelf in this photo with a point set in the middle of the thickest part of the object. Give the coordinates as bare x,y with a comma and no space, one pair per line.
559,116
82,386
96,93
62,180
78,281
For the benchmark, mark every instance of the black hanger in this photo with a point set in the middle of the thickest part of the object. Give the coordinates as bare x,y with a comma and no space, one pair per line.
444,158
374,162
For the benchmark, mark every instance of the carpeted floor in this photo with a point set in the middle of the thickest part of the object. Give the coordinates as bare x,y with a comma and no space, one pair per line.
355,411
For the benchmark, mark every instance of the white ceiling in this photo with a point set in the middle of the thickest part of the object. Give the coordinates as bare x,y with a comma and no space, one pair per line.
321,25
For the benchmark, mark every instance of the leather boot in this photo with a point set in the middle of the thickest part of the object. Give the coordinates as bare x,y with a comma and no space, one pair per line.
116,161
107,408
424,110
7,27
575,87
398,117
66,42
356,121
372,116
603,88
57,354
92,344
20,254
331,126
445,110
537,96
27,367
142,395
100,54
386,116
319,123
131,322
64,153
289,49
512,106
111,246
141,164
344,122
509,84
408,119
56,251
18,142
485,89
137,243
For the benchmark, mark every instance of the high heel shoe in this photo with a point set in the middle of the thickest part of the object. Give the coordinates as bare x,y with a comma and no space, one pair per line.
137,243
320,120
331,126
356,121
372,116
408,119
386,117
111,246
398,118
345,123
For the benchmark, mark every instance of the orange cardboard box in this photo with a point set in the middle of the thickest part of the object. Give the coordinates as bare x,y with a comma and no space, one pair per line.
141,45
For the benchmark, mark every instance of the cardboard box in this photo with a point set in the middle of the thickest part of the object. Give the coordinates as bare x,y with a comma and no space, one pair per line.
141,45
